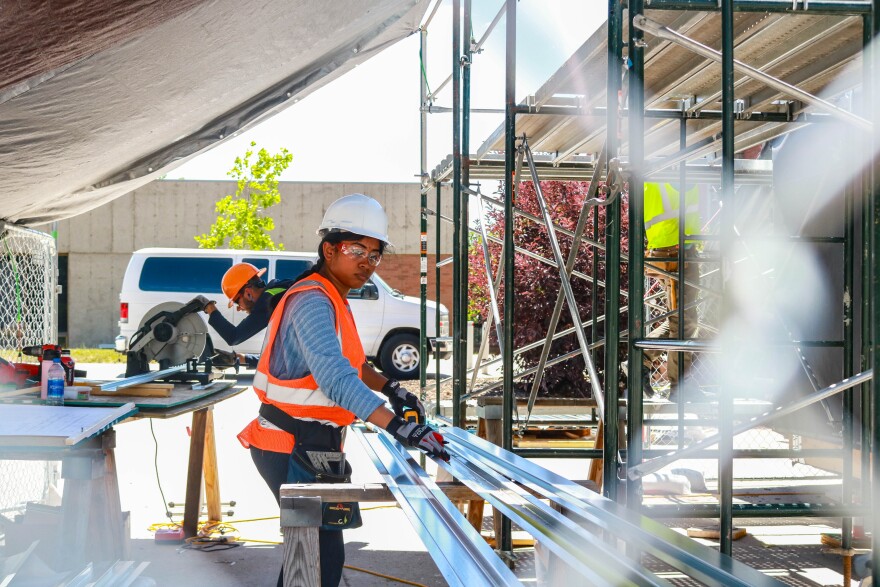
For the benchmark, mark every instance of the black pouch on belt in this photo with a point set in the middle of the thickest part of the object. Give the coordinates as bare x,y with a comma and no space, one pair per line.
317,453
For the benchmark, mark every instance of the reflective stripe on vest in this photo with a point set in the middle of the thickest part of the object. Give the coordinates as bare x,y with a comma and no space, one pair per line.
302,398
661,214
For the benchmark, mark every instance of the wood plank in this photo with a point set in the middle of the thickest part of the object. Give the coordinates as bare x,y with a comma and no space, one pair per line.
41,426
22,391
475,507
115,525
182,401
597,466
553,443
714,532
76,513
193,501
212,478
302,558
364,492
100,382
144,390
518,540
495,435
372,492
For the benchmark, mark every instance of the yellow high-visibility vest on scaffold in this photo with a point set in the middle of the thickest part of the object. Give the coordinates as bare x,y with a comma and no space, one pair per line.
661,214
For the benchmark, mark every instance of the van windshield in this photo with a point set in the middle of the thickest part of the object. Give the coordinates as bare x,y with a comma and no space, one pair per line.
381,283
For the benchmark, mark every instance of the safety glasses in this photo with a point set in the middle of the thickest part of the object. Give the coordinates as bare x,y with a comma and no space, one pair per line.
359,253
237,298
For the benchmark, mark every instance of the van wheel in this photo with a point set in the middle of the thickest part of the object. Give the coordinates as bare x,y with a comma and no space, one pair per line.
400,357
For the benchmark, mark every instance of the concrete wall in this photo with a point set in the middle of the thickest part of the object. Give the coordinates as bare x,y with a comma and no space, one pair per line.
170,213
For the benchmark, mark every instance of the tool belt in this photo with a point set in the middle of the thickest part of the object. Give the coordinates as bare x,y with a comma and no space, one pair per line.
663,252
317,454
671,251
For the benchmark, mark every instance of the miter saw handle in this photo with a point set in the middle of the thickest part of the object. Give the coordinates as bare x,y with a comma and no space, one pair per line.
190,307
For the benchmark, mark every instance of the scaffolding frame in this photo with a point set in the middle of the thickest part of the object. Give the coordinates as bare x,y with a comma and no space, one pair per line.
569,165
728,239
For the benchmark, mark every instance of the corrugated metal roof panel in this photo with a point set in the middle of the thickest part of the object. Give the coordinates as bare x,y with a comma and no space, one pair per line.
814,52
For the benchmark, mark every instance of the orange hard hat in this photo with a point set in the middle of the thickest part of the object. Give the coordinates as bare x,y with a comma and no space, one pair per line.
236,277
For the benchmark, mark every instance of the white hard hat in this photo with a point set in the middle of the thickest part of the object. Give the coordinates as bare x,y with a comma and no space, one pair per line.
358,214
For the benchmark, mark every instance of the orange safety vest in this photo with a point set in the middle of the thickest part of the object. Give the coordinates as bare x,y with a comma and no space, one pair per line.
301,398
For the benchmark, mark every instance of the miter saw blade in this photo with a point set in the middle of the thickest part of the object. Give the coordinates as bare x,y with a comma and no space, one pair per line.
179,343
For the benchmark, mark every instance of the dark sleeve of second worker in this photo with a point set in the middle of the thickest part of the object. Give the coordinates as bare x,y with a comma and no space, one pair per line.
257,320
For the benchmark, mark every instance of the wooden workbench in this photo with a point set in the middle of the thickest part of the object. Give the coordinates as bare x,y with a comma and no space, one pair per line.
202,446
202,452
83,439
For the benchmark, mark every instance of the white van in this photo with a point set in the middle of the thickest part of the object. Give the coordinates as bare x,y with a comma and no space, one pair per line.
387,320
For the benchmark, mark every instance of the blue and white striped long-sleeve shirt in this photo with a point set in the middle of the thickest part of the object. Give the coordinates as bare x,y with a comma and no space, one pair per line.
307,343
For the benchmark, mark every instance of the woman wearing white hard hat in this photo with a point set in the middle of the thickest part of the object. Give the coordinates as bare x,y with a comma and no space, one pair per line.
313,378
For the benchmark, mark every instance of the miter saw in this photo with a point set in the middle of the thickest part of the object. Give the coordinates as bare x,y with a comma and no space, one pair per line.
172,334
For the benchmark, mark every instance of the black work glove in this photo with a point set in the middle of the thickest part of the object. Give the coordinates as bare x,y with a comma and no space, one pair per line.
202,301
400,399
226,359
419,436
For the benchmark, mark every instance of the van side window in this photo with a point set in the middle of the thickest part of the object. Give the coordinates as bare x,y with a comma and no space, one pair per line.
290,268
184,274
259,264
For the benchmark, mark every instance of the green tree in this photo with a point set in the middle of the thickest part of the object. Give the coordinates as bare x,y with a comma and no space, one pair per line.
241,218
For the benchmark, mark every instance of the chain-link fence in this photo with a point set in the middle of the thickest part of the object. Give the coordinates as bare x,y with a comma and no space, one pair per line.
22,482
700,371
28,316
28,284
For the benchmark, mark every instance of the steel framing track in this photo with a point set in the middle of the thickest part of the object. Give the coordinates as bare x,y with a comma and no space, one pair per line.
596,537
491,471
459,551
139,379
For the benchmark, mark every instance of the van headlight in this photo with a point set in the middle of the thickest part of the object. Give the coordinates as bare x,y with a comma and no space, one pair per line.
444,325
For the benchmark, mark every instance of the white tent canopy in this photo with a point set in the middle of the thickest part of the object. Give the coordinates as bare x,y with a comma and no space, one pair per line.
99,98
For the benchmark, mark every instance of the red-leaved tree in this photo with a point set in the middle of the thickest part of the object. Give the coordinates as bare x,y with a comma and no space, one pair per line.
537,284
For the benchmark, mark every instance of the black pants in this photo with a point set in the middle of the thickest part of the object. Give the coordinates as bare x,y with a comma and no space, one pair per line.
275,469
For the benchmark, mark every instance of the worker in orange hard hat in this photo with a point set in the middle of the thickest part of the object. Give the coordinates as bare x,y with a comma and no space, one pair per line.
238,279
243,285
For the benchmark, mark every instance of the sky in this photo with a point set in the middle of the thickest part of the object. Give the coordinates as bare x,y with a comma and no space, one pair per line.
364,126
